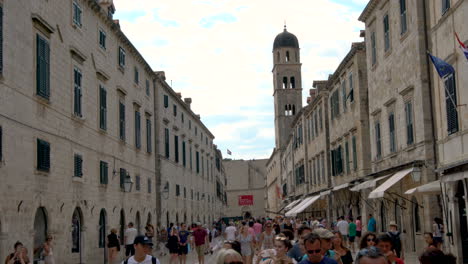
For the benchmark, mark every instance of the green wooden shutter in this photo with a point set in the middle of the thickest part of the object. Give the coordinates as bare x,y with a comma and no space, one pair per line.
176,148
184,154
354,154
451,105
1,39
122,121
42,67
123,173
347,157
137,130
43,155
78,165
148,136
103,108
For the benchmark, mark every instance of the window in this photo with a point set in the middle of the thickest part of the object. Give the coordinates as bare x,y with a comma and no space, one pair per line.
403,20
42,67
197,161
1,38
102,108
373,48
43,155
175,110
147,87
191,167
185,192
122,174
347,157
386,26
378,142
293,82
78,165
190,124
177,190
451,104
299,173
409,123
149,148
335,105
166,142
137,183
445,6
184,154
77,13
285,82
122,121
137,129
136,77
121,57
149,185
196,131
202,166
355,165
103,172
344,95
391,130
78,94
176,148
102,39
351,88
166,101
1,144
337,161
191,194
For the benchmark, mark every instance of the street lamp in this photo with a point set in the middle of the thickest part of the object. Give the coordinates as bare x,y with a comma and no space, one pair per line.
128,183
165,191
416,174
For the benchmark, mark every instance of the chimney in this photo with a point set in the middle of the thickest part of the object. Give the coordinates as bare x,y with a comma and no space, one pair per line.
188,101
313,94
179,95
117,22
161,74
362,33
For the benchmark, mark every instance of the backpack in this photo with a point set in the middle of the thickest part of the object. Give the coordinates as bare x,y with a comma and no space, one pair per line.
396,241
153,260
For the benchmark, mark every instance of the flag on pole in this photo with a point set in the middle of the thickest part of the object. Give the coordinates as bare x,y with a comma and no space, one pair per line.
229,152
462,46
442,67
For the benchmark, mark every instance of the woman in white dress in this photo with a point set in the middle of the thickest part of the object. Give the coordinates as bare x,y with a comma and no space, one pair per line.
48,253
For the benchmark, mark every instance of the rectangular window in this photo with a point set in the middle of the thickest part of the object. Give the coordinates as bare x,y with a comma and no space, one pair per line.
190,124
77,13
355,163
122,174
386,25
196,131
451,104
149,185
177,190
445,6
1,144
176,148
121,121
166,101
136,77
121,57
137,129
347,157
78,165
391,131
373,49
102,39
322,159
182,117
147,85
149,143
185,192
197,161
351,88
102,108
191,158
137,183
42,67
202,166
378,142
184,155
339,159
175,110
77,94
103,172
43,155
166,142
191,194
320,120
403,20
344,95
409,123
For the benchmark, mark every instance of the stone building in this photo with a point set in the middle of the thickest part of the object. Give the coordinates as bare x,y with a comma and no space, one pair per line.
79,124
246,188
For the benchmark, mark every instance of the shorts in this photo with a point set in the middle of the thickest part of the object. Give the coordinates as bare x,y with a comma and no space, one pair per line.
200,250
129,250
183,250
358,233
351,238
345,237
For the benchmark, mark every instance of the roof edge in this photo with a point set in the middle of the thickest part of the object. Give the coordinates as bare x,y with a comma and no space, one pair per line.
367,10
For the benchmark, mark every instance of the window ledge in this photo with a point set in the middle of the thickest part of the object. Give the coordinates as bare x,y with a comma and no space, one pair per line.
388,52
78,118
77,179
42,100
102,131
41,172
411,147
121,68
393,155
404,35
374,67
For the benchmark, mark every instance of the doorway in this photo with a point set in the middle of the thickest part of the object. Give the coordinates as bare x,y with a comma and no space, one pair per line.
102,233
76,235
40,232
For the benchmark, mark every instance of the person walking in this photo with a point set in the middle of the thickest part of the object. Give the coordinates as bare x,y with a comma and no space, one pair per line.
267,237
395,235
371,224
48,252
20,256
343,227
384,243
246,240
129,236
201,239
162,240
368,240
352,233
183,243
358,228
149,231
340,250
143,247
113,245
437,232
173,245
230,232
314,250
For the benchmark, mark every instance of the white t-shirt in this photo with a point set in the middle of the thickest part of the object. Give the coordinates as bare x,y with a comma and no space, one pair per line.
147,260
130,234
231,233
343,227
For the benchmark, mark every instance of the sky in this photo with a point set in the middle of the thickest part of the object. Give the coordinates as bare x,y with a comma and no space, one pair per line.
219,53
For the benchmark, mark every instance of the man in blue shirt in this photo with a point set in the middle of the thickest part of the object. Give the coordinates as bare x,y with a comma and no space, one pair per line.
371,225
313,248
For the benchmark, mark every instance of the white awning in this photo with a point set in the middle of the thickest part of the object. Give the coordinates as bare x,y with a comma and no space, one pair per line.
454,176
432,187
302,206
367,184
325,193
380,191
339,187
289,206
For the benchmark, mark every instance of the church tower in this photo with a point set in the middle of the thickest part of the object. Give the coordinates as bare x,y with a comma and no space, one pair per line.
287,84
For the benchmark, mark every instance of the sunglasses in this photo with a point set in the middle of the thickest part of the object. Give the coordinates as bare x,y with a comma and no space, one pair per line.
314,251
371,239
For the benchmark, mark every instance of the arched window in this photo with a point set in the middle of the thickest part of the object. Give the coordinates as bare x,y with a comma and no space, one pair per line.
122,226
77,226
286,110
293,109
102,229
138,222
40,228
287,56
285,82
293,82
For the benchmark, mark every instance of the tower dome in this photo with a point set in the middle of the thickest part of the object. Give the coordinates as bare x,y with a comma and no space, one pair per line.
285,39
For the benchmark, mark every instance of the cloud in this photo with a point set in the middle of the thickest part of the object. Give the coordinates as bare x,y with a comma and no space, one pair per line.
218,52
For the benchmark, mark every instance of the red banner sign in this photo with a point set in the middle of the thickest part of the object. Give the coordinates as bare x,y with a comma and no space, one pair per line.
245,199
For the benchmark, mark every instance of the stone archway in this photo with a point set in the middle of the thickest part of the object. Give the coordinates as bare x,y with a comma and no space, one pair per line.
40,230
103,232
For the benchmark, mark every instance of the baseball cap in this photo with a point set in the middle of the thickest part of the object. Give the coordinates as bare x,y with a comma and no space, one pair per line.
323,233
144,240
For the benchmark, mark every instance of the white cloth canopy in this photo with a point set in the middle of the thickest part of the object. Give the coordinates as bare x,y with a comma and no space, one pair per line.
302,205
289,206
367,184
432,187
379,192
342,186
455,176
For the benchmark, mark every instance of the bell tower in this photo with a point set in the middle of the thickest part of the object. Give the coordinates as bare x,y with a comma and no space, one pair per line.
287,84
